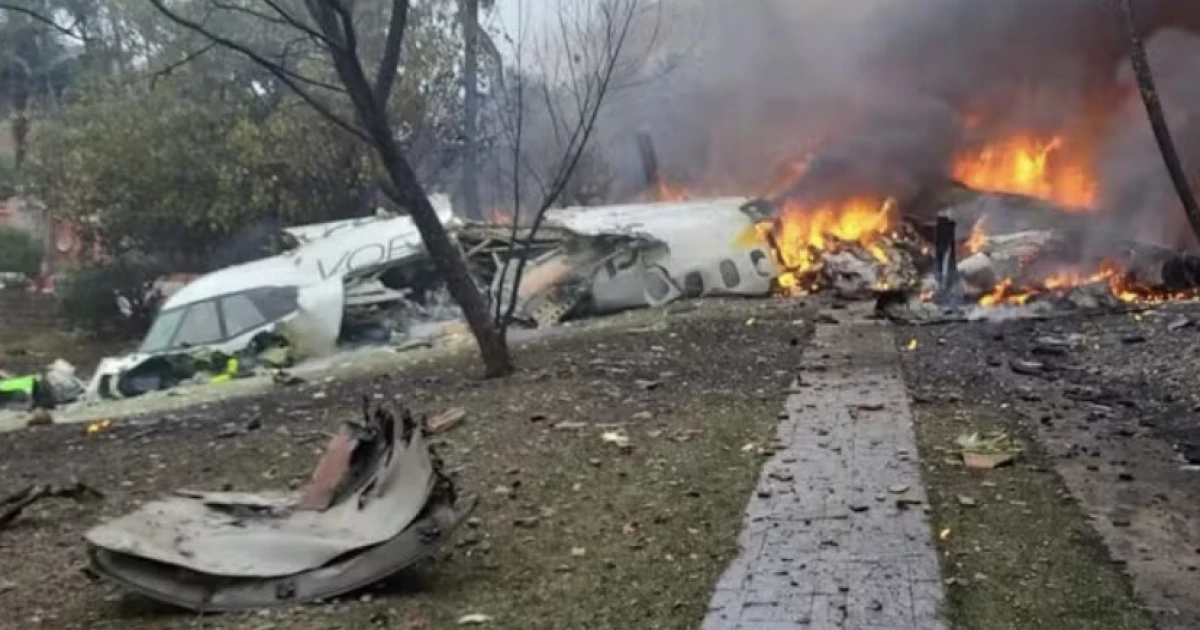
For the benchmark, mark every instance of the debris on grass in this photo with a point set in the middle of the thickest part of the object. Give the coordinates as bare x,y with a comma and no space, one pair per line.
12,505
378,502
988,450
446,420
615,437
474,619
98,426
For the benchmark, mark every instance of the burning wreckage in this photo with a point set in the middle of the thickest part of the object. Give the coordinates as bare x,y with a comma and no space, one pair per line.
1005,237
367,281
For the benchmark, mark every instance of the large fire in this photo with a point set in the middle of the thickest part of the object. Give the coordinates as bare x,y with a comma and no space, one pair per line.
800,234
1028,165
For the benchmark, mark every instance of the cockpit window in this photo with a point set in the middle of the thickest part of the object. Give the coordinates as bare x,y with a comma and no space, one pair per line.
219,319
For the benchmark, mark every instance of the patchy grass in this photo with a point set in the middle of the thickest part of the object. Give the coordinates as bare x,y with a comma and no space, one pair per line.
1024,555
23,352
623,539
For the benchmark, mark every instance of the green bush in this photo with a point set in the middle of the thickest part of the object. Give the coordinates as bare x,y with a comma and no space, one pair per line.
19,252
91,298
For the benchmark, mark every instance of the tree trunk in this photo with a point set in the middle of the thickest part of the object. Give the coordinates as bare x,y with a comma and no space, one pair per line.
470,26
493,346
1158,122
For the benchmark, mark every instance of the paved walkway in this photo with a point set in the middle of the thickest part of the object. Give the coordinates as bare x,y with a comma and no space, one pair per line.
836,534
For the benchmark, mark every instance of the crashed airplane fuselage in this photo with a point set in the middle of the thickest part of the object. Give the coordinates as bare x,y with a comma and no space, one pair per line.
300,295
611,258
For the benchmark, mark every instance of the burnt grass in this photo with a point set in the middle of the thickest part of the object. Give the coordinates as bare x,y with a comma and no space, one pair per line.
571,531
1104,503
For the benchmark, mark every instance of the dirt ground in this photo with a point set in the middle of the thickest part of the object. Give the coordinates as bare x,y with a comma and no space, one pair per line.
621,539
23,353
1108,408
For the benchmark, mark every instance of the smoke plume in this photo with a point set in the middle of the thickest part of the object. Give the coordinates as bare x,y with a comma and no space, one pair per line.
879,92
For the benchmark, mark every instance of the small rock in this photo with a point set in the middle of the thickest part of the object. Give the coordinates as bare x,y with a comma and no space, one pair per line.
39,418
1179,323
899,488
1026,368
528,522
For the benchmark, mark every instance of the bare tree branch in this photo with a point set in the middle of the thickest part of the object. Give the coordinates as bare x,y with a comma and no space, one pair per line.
69,31
389,65
284,76
594,87
1158,122
172,67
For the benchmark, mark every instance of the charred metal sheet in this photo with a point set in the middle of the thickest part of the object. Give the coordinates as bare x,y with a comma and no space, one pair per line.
208,594
376,504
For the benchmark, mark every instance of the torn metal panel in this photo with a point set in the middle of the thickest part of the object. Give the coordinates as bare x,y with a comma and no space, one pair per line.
380,505
203,593
208,536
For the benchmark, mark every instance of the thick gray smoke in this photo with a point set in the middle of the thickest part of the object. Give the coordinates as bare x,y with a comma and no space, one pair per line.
877,91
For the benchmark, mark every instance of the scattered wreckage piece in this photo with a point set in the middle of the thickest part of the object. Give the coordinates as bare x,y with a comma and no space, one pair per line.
313,295
12,505
377,503
53,386
605,259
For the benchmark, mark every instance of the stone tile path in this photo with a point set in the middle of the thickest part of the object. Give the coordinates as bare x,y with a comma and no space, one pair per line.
831,539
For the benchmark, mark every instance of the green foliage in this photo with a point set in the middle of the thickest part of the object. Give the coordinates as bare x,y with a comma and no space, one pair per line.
151,171
92,297
19,252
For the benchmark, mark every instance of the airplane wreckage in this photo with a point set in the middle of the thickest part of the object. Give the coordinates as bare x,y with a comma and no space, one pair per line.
355,282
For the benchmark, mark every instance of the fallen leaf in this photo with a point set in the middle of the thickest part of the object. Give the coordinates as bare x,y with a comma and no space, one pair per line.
615,437
944,534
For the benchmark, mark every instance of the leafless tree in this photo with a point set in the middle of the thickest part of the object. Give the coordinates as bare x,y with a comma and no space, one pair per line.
1158,119
332,28
596,48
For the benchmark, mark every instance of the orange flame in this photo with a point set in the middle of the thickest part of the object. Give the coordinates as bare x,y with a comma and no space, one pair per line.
1108,273
978,237
800,234
664,191
1032,166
